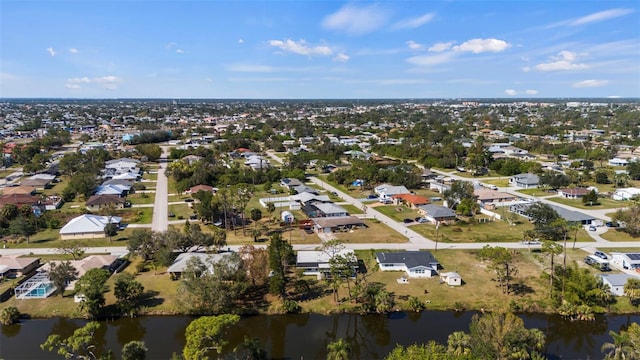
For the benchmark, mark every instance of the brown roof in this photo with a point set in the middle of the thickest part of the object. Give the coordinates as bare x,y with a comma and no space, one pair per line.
21,190
35,182
575,191
488,194
413,199
104,199
195,189
18,199
17,263
337,221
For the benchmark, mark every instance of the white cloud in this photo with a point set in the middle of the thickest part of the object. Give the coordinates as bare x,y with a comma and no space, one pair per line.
439,47
107,82
170,45
477,46
565,60
511,92
179,51
82,80
590,83
240,41
301,47
526,68
414,45
531,92
356,20
601,16
73,50
51,51
414,22
341,57
427,60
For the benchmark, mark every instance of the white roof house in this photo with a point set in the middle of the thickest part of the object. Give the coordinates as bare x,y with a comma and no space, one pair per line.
182,261
87,226
388,190
629,261
113,189
625,193
616,282
317,262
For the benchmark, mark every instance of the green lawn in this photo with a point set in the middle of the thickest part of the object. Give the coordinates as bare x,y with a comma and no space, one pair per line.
604,203
150,176
50,238
181,210
136,215
617,235
57,188
352,209
498,182
397,212
142,198
473,231
535,192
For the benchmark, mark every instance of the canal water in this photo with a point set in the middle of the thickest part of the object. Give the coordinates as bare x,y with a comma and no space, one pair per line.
306,336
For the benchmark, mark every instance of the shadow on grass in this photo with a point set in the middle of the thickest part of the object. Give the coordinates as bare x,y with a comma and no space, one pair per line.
150,299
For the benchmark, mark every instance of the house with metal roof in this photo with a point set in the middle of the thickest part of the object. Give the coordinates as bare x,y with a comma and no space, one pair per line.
526,181
387,190
181,262
570,215
317,263
417,264
320,209
87,226
616,282
437,213
99,202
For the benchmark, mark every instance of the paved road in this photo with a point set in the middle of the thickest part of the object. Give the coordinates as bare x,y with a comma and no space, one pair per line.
160,220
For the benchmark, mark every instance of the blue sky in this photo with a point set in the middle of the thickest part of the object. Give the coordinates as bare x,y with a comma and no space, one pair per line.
319,49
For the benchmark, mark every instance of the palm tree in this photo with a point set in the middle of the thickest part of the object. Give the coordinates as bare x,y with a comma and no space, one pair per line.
338,350
459,343
620,349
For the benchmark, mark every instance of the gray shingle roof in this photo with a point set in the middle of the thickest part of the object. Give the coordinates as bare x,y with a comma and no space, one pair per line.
410,258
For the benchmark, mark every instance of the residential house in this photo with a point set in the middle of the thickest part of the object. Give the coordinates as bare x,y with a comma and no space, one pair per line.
387,191
569,215
201,187
573,193
527,181
625,193
52,202
14,266
322,209
19,190
437,214
20,200
290,183
417,264
99,202
191,159
427,175
489,197
439,186
412,201
616,282
318,262
117,189
451,278
106,262
629,261
87,226
257,162
181,262
304,188
330,224
618,162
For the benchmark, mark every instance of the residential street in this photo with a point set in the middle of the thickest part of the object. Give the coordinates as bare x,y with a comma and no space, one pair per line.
160,220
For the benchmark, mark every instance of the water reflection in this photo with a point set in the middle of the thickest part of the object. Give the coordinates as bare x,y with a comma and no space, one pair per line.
307,335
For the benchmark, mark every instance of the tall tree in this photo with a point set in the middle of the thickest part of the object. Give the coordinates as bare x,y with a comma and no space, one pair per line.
91,286
134,350
128,292
503,336
552,249
501,264
207,333
280,256
625,345
632,290
61,274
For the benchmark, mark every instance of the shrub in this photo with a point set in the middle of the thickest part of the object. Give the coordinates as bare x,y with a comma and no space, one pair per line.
9,315
291,307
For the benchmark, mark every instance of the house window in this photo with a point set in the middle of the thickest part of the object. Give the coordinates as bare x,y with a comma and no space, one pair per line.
419,271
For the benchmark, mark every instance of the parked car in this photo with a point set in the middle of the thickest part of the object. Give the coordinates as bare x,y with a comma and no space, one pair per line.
372,196
592,228
308,230
188,200
171,214
422,220
611,224
407,220
530,242
601,255
589,261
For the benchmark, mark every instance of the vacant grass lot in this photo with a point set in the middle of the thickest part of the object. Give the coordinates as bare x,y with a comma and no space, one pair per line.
181,211
604,203
397,212
536,192
492,231
50,238
497,182
142,198
616,235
